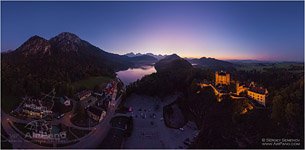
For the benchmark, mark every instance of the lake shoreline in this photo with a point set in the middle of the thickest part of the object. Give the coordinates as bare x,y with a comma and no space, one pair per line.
133,74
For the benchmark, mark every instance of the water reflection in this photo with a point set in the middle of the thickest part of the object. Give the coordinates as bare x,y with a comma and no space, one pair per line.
132,74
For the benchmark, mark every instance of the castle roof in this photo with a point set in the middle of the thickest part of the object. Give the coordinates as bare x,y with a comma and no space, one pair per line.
83,93
259,90
222,73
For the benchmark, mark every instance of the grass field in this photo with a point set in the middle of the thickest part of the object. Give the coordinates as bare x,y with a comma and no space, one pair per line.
91,82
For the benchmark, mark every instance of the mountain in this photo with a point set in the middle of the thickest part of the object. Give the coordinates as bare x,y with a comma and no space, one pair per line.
247,61
69,45
173,74
68,42
143,60
35,46
133,54
172,62
212,63
40,64
159,57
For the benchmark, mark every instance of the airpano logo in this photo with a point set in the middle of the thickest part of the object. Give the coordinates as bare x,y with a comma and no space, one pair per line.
42,130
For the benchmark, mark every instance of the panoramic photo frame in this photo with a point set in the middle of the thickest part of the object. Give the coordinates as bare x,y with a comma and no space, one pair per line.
152,75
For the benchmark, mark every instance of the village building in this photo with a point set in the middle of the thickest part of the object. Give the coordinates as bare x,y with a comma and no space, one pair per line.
222,78
103,103
109,90
31,113
98,95
96,113
83,94
65,101
34,109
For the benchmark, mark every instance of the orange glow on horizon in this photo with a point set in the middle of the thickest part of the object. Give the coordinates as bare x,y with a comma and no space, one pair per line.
227,57
198,55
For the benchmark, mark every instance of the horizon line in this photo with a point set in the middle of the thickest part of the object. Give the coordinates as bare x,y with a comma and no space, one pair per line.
195,57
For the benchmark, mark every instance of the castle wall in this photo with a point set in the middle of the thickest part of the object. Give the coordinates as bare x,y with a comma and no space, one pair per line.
260,98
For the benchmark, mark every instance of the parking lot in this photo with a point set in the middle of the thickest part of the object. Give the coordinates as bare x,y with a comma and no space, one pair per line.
149,129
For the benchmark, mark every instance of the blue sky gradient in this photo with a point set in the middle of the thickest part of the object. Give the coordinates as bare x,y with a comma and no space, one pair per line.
223,30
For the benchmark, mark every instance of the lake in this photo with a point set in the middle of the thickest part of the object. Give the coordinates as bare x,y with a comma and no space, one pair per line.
133,74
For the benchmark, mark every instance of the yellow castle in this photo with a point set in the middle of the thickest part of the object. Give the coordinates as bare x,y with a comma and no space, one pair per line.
251,91
259,94
222,78
240,88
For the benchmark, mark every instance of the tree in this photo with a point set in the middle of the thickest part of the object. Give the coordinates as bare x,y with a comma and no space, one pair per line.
293,115
278,109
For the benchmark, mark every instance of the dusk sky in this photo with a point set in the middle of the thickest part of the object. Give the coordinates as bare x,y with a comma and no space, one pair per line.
223,30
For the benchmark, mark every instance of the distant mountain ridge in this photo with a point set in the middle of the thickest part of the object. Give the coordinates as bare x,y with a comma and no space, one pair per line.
172,62
203,62
159,57
143,60
212,63
247,61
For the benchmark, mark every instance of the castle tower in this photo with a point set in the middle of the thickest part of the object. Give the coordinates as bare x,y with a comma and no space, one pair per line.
222,78
240,88
237,86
